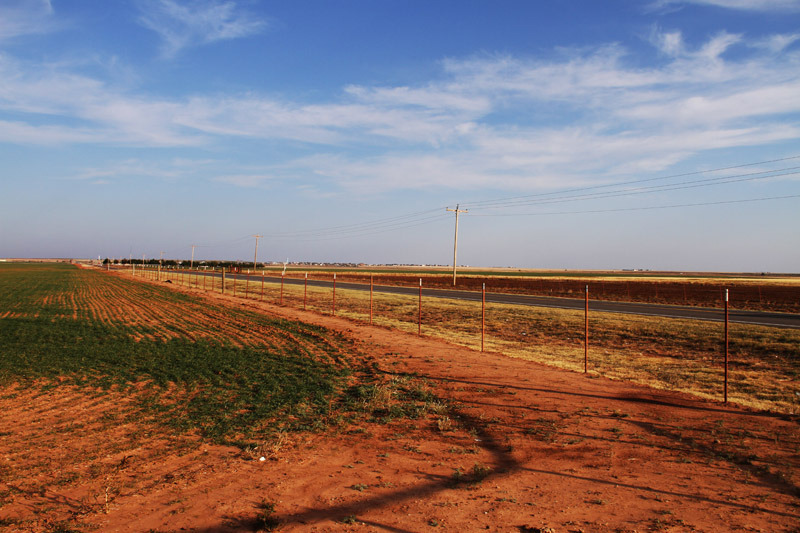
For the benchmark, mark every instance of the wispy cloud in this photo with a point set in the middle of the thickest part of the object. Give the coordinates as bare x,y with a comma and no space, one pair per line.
500,121
181,25
136,169
245,180
743,5
777,43
25,17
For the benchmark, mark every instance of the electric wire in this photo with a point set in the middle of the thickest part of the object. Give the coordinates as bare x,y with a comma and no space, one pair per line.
641,208
723,180
397,221
594,192
223,243
475,204
425,222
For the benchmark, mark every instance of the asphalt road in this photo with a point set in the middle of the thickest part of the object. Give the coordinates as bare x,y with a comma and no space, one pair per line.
761,318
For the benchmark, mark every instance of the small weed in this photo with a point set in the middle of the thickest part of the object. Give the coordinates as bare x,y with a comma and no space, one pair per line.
62,527
543,430
444,424
480,472
360,487
265,519
350,519
458,450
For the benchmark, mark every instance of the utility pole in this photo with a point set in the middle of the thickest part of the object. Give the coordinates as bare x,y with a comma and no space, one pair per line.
191,263
255,256
455,240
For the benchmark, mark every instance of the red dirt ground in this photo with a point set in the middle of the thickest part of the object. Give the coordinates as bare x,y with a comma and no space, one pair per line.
528,448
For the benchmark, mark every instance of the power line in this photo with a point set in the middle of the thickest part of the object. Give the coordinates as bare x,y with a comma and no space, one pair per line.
708,182
224,243
643,208
594,192
367,232
630,182
360,226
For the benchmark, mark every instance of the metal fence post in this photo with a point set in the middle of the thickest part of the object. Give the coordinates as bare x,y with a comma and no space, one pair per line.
586,332
419,307
725,394
483,315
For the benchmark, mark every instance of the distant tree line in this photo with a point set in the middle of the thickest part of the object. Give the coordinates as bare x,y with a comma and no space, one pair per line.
182,263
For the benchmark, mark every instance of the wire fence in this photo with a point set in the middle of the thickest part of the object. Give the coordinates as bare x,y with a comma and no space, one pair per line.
752,365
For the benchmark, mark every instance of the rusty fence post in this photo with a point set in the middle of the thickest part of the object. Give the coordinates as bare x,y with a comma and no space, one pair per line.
483,315
725,393
586,331
419,307
305,291
333,304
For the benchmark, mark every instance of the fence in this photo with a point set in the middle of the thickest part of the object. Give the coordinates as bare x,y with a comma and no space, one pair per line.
676,354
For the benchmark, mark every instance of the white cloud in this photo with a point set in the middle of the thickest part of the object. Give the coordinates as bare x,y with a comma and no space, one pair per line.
245,180
18,132
25,17
499,121
777,43
743,5
134,168
181,25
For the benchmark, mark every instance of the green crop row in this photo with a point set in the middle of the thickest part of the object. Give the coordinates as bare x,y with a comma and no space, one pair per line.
224,389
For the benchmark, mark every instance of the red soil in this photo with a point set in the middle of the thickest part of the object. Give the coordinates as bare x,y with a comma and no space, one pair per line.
534,447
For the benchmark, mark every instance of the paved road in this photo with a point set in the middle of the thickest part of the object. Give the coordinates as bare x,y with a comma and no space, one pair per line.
762,318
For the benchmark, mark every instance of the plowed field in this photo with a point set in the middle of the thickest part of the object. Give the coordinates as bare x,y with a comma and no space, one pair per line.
408,433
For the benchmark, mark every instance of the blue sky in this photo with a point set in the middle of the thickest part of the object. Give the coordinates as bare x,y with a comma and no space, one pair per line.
578,134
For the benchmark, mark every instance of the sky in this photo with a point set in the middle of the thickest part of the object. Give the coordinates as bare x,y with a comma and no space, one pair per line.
656,134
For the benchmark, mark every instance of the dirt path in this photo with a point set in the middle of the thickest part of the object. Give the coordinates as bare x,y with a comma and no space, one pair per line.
522,448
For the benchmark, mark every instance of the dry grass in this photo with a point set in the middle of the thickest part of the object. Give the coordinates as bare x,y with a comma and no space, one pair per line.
672,354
